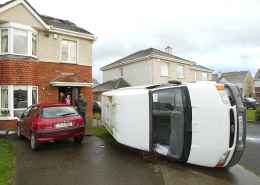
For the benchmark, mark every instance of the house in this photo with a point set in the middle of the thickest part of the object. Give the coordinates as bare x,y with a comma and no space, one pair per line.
257,85
153,66
41,57
243,79
107,86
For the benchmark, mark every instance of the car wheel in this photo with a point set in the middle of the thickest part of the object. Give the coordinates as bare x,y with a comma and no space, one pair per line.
34,144
78,139
18,131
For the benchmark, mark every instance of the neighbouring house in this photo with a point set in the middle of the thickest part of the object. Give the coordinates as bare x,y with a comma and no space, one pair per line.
41,57
153,66
243,79
257,85
95,82
107,86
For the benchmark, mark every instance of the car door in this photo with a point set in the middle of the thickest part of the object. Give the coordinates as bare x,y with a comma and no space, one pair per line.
24,122
30,118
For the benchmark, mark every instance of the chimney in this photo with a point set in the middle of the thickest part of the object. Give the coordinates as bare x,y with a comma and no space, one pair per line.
168,50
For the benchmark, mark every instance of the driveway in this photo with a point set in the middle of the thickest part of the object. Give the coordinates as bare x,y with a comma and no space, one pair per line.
96,162
92,163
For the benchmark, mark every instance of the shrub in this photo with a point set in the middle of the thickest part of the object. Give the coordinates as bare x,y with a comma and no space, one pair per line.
250,115
257,114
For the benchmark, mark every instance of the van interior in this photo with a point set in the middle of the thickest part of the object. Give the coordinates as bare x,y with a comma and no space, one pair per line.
168,122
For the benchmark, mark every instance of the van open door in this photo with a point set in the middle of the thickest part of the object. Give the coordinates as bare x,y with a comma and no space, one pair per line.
171,122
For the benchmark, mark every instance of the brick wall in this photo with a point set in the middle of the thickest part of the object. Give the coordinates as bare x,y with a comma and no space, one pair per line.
18,72
9,124
29,72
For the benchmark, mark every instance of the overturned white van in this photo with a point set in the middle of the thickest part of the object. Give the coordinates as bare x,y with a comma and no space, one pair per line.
201,123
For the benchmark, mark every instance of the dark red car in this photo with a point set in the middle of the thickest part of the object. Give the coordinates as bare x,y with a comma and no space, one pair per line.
43,123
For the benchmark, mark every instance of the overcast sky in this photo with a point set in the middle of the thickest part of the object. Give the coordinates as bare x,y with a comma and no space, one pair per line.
221,34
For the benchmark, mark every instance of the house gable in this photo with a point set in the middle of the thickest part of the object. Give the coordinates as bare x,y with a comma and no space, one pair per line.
21,12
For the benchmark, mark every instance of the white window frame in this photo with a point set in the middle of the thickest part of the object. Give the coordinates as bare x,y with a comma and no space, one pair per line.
77,47
8,40
4,109
164,67
204,78
28,97
37,93
180,72
11,99
11,27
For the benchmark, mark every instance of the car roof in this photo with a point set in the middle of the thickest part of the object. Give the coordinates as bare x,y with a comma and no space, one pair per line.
52,105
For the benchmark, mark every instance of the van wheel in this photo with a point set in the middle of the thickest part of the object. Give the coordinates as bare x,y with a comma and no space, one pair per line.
78,139
18,131
34,144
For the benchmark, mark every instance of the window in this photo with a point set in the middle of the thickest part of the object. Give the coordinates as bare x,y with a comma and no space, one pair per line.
34,44
20,42
18,39
20,100
69,51
204,76
121,70
4,41
14,100
168,100
55,112
164,69
4,110
180,72
195,75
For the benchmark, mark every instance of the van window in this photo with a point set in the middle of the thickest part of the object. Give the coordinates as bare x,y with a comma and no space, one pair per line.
168,100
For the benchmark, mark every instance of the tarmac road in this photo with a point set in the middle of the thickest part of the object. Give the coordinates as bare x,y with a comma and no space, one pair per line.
251,157
96,162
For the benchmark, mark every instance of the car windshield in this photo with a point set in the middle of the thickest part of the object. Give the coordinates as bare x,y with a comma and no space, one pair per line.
55,112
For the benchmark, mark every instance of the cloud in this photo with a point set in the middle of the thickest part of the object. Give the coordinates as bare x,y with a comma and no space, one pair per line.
223,34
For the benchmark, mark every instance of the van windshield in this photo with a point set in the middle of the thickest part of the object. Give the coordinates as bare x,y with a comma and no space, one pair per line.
55,112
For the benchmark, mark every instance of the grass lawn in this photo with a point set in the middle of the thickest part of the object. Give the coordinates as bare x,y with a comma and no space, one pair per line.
7,163
102,133
251,115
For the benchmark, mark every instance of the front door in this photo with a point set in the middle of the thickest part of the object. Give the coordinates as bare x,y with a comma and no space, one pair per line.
73,92
171,121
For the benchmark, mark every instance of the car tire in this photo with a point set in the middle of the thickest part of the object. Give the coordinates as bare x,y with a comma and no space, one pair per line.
33,142
18,131
78,139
